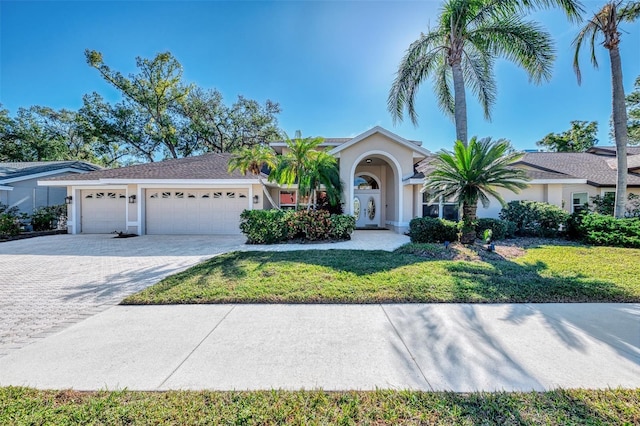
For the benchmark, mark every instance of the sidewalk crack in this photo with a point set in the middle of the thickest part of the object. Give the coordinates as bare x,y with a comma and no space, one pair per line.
196,347
413,358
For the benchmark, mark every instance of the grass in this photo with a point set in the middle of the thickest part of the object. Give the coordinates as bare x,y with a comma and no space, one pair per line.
559,407
414,273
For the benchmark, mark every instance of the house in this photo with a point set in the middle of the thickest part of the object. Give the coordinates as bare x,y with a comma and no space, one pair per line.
197,195
19,182
569,180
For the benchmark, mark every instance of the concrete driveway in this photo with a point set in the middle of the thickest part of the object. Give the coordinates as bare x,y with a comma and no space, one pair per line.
49,283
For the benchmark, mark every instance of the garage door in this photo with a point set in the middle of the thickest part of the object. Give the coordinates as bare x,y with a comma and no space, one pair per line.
103,212
184,211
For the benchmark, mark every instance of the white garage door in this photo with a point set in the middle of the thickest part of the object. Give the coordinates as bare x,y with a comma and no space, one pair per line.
103,212
185,211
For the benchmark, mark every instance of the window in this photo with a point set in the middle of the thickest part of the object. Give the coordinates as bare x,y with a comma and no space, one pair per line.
217,195
111,195
242,195
365,182
442,209
166,195
100,195
179,194
205,195
190,195
121,196
231,195
154,195
579,202
287,198
88,196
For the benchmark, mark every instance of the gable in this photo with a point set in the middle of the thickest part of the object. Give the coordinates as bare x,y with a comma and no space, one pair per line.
383,140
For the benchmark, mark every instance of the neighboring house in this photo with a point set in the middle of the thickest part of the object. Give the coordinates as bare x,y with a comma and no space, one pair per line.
19,182
381,172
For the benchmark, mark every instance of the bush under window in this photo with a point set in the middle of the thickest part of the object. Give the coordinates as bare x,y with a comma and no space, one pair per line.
432,230
535,219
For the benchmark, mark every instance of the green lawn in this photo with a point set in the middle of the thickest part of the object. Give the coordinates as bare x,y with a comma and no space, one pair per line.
559,407
543,273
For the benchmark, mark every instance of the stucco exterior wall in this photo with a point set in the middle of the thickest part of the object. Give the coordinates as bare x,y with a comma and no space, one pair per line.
398,199
28,196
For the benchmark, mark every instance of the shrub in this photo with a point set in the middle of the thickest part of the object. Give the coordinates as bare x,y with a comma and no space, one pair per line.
273,226
606,204
500,229
604,230
431,230
263,226
9,220
46,218
535,219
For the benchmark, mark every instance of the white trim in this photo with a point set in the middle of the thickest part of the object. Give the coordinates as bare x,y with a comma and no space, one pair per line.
43,174
193,185
400,140
413,182
604,190
555,181
105,187
6,188
68,182
397,177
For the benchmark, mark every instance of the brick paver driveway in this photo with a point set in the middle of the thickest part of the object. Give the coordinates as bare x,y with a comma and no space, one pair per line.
48,283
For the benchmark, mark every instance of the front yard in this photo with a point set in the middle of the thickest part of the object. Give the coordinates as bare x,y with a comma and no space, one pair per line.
558,407
524,271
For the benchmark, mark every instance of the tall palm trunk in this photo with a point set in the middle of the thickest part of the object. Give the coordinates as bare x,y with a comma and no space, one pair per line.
460,105
619,130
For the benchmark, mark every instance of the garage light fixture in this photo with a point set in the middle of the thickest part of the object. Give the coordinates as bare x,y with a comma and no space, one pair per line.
132,199
68,199
256,199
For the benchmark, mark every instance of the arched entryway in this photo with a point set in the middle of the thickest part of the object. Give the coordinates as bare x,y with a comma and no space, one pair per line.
375,195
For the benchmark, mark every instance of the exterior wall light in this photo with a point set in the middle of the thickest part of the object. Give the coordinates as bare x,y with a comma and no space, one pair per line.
68,199
256,199
132,199
368,160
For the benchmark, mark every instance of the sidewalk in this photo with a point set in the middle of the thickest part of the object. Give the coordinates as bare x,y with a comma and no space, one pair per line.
335,347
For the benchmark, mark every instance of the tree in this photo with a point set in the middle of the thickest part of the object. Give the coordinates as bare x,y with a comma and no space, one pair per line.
633,113
606,23
472,173
219,128
309,167
153,96
160,116
462,49
579,138
254,159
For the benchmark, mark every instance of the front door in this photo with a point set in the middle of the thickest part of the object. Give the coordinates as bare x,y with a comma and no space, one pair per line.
366,208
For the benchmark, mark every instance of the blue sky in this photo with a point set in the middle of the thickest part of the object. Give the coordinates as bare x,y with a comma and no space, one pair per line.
329,64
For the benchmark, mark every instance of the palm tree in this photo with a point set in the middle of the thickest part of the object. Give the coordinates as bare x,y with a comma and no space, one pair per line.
322,171
253,160
606,23
472,173
461,50
292,167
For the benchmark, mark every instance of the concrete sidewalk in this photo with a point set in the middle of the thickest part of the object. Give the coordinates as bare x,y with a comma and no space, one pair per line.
334,347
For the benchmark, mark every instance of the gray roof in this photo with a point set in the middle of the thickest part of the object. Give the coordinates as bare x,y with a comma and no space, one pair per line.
10,170
594,168
207,166
611,150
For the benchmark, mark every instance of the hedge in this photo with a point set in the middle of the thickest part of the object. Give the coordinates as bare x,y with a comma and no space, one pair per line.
273,226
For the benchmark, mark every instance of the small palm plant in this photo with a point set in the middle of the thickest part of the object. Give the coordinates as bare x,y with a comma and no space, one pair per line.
473,173
252,160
